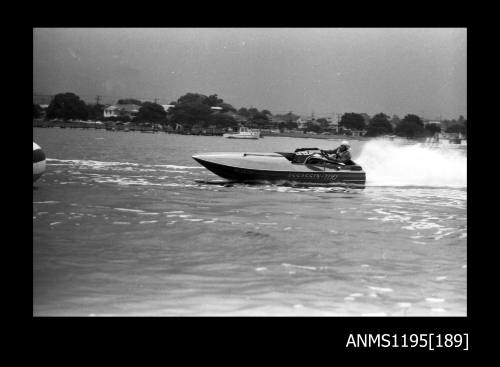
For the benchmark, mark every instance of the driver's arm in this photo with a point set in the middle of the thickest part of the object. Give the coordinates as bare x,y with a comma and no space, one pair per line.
330,151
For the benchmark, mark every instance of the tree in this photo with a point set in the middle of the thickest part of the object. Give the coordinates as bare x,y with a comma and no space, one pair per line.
129,101
291,125
258,118
410,126
323,123
379,125
67,106
152,112
395,121
311,126
37,111
95,111
213,100
192,98
432,129
243,112
226,107
353,121
457,128
366,117
222,120
190,113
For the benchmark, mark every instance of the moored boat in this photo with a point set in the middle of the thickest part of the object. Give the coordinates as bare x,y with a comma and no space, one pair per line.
244,133
305,165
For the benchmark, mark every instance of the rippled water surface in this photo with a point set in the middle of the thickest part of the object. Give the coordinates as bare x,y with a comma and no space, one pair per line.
128,224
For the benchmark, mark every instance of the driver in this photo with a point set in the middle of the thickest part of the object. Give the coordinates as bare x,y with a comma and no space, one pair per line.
341,154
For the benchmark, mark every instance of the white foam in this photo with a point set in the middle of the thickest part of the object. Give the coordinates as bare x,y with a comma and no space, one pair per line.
54,223
438,310
299,266
121,222
379,289
404,304
147,221
434,300
129,210
390,164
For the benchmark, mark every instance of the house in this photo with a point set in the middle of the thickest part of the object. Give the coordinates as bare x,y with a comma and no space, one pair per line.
118,110
351,132
302,121
333,124
166,107
358,132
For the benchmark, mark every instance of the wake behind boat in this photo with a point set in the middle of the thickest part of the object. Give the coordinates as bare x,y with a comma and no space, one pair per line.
305,165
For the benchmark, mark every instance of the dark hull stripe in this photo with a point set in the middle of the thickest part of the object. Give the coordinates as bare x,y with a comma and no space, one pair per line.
38,155
249,175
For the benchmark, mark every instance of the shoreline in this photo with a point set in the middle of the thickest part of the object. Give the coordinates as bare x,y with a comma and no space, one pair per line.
87,126
318,136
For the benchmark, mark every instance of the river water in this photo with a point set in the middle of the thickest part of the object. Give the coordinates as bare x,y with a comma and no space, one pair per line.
129,224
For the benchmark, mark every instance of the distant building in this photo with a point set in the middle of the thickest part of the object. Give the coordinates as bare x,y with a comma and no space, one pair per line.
166,107
118,110
303,120
333,124
352,132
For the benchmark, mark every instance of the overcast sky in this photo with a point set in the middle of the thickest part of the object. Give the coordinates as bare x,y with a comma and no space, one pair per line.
325,70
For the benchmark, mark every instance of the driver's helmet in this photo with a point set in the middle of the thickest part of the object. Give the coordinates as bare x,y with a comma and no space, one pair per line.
345,143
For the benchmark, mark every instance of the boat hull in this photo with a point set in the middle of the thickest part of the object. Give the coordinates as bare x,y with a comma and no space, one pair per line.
38,162
272,167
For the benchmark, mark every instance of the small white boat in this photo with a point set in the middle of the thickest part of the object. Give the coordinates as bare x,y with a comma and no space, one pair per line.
38,162
244,133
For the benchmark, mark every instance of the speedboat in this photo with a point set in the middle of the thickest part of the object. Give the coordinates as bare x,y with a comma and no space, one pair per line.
304,165
244,133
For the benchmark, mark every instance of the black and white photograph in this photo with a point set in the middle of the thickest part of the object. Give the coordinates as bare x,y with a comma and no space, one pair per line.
297,172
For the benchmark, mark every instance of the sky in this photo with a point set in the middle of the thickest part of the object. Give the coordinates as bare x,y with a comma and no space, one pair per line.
323,71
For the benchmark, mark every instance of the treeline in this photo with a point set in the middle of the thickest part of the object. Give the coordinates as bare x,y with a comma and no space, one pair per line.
192,109
198,110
